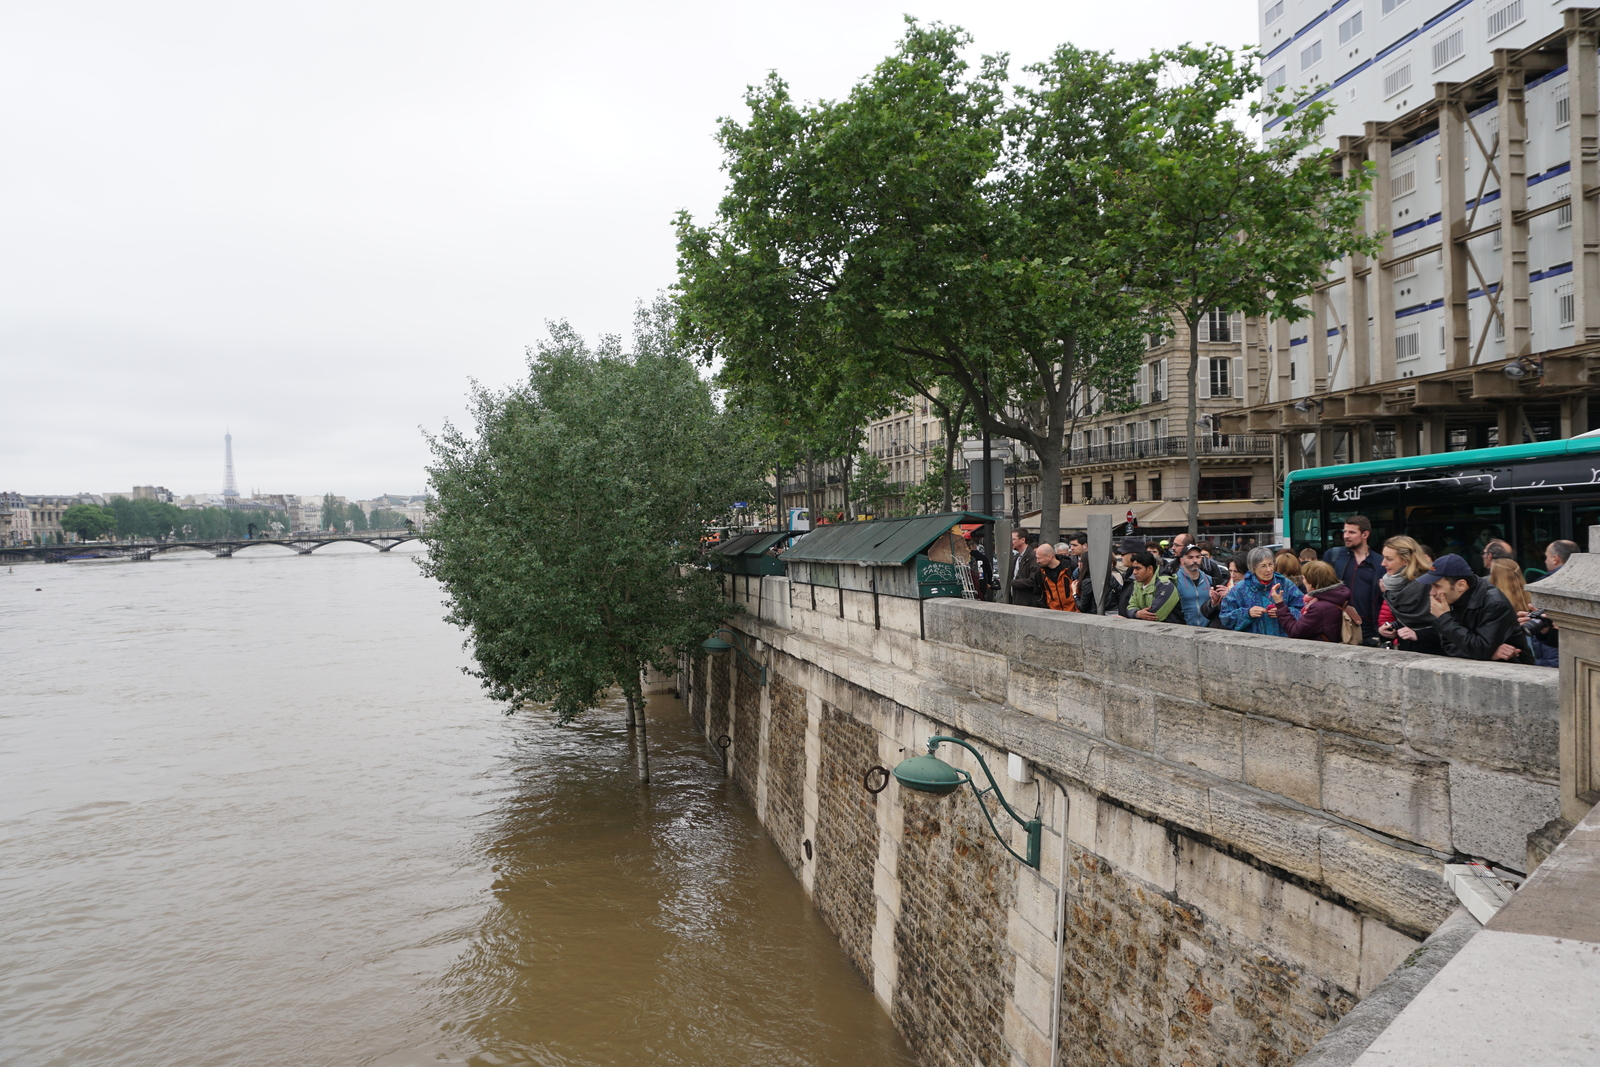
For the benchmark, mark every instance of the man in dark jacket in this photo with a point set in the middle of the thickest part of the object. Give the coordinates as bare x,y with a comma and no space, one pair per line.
1473,618
1360,570
1024,572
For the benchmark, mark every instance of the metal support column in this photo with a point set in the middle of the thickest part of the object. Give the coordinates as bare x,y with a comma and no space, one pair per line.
1584,132
1380,219
1355,282
1452,224
1512,164
1280,344
1318,342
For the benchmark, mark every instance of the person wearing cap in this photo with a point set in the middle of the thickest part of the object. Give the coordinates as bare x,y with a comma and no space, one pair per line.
1474,620
1180,548
1199,597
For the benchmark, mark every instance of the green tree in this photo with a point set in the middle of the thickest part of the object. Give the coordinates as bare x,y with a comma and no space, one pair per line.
937,224
386,519
1219,221
88,521
332,513
930,494
872,487
356,517
567,528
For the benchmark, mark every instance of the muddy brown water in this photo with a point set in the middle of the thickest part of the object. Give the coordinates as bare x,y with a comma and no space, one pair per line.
252,812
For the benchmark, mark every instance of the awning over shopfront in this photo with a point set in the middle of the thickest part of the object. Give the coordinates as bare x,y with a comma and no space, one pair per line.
1163,514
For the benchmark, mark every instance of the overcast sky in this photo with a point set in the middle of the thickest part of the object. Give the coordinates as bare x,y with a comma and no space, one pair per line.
315,222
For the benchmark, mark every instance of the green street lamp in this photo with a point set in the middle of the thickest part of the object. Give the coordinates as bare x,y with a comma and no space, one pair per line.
717,644
930,774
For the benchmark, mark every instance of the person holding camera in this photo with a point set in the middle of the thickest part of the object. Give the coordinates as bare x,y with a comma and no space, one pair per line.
1506,576
1473,618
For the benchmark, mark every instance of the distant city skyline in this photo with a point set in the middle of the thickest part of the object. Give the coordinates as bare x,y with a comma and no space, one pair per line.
316,224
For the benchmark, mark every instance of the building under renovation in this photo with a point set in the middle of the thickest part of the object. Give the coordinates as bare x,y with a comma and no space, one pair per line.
1479,322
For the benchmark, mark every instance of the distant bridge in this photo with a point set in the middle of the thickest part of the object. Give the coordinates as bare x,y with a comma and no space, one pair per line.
303,544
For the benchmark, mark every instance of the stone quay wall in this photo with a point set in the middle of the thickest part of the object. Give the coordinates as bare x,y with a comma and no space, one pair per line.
1254,827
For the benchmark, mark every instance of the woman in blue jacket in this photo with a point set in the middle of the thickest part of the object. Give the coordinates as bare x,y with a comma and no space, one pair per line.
1256,604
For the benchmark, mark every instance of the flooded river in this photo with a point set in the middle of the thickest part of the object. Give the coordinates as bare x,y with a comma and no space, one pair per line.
251,812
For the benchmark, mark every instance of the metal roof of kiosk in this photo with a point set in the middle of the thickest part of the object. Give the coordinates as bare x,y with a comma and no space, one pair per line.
893,542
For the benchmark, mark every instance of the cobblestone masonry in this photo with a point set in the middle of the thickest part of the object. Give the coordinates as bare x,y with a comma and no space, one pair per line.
746,730
698,680
847,834
956,886
786,768
1151,980
717,697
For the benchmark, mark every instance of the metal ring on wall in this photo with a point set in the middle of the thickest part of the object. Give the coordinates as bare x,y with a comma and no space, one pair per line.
872,772
724,741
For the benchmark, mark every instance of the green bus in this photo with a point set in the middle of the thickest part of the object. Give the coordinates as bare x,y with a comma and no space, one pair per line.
1456,502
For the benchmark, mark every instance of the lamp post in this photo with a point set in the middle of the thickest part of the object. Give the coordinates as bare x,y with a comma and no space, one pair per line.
717,644
930,774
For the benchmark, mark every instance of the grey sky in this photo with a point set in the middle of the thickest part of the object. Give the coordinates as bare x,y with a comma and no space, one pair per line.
314,222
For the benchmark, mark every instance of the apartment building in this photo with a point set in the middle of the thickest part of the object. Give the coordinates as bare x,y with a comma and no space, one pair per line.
1137,460
1479,322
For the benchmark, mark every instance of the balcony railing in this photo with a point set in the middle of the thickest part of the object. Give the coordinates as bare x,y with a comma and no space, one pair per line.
1232,444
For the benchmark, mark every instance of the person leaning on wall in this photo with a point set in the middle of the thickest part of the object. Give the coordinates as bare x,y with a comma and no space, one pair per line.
1474,619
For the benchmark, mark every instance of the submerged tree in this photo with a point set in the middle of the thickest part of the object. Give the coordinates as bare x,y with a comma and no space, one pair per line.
567,529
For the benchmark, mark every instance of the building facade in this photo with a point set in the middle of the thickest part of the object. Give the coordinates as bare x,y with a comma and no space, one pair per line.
1478,323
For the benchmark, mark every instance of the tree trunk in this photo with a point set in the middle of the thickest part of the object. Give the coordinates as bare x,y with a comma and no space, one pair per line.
1194,424
1049,449
636,706
629,698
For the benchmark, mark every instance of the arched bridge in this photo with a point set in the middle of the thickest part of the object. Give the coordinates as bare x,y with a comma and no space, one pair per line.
223,548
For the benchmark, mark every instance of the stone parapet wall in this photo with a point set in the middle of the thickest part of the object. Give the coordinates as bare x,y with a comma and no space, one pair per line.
1254,834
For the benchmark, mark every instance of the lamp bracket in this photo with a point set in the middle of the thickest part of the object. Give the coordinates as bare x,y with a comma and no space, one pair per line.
1031,826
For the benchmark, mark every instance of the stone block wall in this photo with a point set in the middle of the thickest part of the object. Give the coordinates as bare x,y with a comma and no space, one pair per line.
1254,827
785,767
846,842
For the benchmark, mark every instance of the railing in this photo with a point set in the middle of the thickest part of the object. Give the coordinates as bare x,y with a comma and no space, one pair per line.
1155,447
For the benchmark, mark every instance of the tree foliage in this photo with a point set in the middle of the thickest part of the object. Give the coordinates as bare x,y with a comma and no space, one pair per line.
568,526
1219,220
938,223
88,521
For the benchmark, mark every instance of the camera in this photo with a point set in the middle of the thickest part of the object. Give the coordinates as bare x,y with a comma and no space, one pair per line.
1537,623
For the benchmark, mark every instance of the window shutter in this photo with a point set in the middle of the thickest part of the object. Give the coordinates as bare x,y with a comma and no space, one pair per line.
1236,326
1203,379
1238,377
1161,374
1142,388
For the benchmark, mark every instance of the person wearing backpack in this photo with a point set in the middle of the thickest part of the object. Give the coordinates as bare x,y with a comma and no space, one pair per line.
1152,596
1326,604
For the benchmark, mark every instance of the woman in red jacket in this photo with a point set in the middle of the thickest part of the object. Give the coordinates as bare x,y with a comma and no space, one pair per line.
1322,619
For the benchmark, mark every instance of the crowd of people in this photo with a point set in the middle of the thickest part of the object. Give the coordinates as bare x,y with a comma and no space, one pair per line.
1395,595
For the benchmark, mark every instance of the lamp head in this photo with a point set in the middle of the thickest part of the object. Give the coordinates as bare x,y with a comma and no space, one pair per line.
1516,371
1302,406
928,774
715,644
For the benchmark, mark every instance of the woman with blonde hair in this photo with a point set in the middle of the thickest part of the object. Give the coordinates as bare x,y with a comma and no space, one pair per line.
1288,564
1404,616
1506,576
